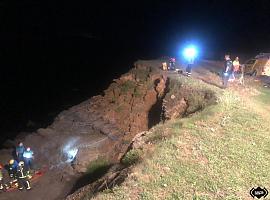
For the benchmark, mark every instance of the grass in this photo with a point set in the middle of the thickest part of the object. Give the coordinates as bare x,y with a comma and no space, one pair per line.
100,164
219,153
264,96
132,157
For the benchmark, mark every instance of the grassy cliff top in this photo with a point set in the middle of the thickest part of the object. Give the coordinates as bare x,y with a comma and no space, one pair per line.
219,153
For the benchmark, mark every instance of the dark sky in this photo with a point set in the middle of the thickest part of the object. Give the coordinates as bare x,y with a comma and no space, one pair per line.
50,48
154,25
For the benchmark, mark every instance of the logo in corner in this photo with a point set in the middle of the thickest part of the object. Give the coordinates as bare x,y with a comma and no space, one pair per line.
259,192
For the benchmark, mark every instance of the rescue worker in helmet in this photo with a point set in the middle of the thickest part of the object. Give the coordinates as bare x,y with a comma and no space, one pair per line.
19,151
28,157
23,181
1,177
228,69
13,165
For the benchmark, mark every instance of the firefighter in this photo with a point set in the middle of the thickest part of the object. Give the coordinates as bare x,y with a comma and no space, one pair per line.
1,177
228,68
28,157
19,151
13,165
23,181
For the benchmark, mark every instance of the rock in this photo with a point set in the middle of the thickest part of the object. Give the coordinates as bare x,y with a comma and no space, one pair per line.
175,109
127,77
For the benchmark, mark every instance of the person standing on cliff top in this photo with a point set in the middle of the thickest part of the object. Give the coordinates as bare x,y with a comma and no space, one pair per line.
189,66
228,68
236,66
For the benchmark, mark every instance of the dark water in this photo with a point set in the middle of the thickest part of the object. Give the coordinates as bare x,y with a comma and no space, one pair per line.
39,79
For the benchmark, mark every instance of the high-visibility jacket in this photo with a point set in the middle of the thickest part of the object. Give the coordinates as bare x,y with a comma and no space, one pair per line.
1,175
21,173
28,154
236,65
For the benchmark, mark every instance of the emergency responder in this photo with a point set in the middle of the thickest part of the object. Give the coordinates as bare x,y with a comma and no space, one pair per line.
23,181
1,177
235,70
28,157
164,66
228,68
189,66
13,166
19,151
172,63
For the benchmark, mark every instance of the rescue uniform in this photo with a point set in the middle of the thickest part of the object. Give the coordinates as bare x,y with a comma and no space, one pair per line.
228,68
13,169
23,181
28,159
19,152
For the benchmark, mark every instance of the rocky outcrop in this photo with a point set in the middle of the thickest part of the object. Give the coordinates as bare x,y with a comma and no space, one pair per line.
105,125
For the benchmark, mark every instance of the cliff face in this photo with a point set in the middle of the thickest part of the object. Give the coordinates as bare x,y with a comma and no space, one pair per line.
163,98
120,113
101,127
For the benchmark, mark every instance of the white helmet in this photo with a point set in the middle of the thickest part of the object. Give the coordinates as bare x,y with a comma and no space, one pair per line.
21,163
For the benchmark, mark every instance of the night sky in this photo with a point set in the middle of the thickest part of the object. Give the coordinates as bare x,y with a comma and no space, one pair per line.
50,50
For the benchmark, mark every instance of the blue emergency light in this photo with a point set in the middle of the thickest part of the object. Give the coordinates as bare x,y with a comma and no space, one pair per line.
190,52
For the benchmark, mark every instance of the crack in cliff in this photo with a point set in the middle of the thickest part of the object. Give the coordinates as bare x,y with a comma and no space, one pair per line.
156,112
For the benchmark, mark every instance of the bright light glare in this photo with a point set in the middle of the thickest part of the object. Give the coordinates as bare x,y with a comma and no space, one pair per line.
71,154
70,151
190,52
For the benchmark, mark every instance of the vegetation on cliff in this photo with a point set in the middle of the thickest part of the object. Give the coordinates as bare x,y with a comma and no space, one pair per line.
218,153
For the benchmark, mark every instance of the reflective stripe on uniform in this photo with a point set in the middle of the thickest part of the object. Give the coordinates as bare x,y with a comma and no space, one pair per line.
28,185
